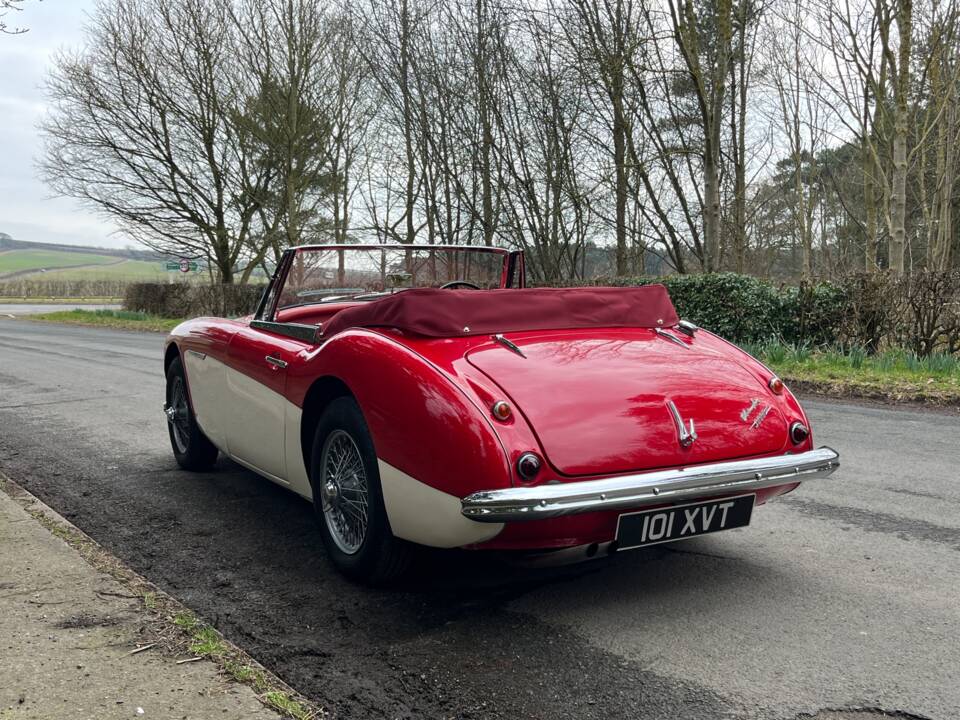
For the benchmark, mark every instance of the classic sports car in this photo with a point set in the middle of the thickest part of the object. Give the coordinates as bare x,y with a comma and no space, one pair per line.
423,395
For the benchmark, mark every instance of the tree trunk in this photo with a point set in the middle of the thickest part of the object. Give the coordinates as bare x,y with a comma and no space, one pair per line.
944,239
898,189
738,122
486,140
870,209
621,190
409,199
711,213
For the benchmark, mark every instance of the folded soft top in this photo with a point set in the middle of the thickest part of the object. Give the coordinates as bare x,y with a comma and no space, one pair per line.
448,313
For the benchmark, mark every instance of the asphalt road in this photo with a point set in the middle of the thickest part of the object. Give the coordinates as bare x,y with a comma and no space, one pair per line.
845,594
15,310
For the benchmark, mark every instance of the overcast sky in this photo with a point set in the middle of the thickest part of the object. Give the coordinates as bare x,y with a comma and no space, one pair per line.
27,212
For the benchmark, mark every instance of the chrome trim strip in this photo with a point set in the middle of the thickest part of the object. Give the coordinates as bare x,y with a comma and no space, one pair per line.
509,344
660,487
672,338
197,354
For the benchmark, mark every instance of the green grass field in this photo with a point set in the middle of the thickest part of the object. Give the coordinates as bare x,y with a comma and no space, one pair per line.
64,265
133,270
13,261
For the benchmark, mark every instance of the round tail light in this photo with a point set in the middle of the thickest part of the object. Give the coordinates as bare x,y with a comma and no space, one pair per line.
776,385
501,410
528,465
799,433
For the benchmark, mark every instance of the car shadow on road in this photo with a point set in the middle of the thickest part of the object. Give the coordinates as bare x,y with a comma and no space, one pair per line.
446,585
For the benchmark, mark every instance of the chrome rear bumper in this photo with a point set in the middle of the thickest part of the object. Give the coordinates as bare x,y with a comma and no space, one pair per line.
660,487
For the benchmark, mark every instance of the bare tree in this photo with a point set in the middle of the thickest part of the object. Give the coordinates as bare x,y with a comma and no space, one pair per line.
897,57
799,112
936,94
746,22
286,121
547,205
351,111
5,7
707,65
603,36
142,129
392,30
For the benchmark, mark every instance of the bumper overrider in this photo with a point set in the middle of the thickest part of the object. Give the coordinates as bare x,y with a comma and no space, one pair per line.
660,487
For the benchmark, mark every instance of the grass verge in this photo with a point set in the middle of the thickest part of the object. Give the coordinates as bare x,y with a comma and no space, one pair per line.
123,319
890,376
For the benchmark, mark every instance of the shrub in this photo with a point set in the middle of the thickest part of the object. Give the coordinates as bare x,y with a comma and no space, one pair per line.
32,288
869,310
180,300
745,309
928,305
812,313
861,312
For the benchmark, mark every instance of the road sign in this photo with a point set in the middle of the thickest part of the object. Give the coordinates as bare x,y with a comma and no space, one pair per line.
183,265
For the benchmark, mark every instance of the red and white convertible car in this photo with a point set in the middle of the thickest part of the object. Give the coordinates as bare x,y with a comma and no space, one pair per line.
423,395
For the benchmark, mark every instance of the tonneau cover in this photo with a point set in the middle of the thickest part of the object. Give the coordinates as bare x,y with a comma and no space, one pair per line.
447,313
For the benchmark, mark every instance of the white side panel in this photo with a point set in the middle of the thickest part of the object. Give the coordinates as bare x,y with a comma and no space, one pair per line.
208,388
425,515
254,423
296,472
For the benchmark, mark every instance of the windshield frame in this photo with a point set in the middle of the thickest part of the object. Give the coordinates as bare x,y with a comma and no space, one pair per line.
512,276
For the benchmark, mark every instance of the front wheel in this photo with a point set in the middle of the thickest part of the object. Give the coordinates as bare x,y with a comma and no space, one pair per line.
348,498
191,447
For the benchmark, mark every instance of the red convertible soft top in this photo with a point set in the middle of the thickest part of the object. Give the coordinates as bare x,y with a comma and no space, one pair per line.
447,313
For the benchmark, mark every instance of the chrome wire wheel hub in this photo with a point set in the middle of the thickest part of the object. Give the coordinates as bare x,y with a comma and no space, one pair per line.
178,415
343,492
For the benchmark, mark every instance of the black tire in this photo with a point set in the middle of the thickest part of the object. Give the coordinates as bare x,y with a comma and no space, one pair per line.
380,557
191,447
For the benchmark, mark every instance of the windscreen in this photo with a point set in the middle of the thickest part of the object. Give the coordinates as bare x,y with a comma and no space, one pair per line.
319,275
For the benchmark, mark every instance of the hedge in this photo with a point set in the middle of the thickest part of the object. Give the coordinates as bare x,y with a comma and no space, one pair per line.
182,300
745,309
919,311
49,288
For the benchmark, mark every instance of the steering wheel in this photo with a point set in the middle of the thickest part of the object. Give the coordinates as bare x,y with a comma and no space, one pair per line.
459,283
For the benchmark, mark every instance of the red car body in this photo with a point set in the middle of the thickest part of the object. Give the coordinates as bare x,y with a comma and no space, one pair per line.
601,386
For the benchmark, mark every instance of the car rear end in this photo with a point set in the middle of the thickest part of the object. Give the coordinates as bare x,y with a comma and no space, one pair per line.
626,437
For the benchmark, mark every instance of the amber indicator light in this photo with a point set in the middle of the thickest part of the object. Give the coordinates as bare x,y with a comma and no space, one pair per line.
501,410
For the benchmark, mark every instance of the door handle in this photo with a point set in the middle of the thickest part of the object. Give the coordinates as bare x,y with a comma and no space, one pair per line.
275,362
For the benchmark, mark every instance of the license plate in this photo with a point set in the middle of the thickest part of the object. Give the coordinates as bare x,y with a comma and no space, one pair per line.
680,522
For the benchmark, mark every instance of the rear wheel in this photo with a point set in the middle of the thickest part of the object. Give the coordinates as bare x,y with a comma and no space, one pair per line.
348,499
191,447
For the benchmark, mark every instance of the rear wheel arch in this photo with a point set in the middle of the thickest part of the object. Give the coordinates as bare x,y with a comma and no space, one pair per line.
322,392
172,353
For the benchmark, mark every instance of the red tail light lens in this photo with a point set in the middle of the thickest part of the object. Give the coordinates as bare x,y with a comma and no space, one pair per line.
799,433
528,466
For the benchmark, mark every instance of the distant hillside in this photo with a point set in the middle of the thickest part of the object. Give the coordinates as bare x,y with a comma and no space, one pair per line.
8,243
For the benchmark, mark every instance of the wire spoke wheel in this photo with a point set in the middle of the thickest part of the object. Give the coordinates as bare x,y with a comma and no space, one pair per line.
344,491
178,415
